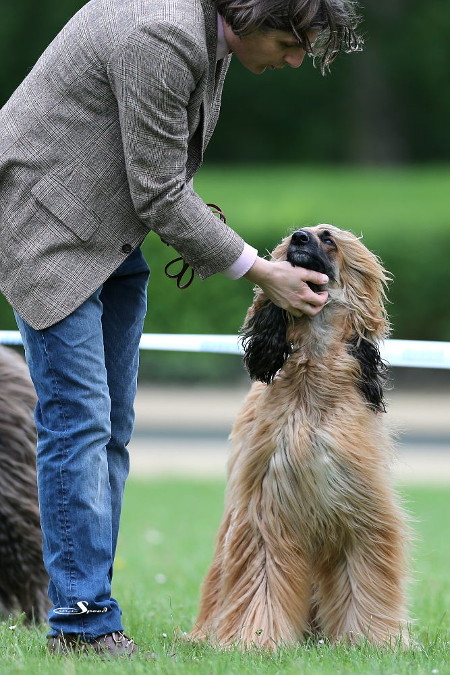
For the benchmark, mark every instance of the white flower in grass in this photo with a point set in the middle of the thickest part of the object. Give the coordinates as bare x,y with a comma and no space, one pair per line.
153,537
12,627
160,578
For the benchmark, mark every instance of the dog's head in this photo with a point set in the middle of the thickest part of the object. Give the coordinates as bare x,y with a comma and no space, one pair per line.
355,307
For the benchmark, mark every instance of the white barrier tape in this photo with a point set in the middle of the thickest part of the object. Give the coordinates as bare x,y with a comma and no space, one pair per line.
214,344
10,337
416,354
403,353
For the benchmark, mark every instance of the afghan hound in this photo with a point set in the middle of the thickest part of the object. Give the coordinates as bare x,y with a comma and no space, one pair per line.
313,539
23,579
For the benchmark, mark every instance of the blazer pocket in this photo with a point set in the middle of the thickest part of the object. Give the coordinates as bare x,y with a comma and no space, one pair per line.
67,207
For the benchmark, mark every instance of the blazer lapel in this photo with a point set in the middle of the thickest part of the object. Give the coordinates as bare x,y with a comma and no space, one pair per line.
210,106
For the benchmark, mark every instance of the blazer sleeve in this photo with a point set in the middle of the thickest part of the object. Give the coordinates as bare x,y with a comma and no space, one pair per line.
154,75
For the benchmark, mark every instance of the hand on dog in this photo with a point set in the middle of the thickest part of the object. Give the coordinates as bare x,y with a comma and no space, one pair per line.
286,286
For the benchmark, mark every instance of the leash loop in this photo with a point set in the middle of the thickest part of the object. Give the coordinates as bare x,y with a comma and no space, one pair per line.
184,265
217,212
180,274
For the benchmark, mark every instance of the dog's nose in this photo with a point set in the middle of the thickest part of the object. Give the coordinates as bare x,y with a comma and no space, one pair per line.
300,237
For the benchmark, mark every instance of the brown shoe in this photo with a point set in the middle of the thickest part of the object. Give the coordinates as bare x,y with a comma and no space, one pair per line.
67,643
115,644
111,644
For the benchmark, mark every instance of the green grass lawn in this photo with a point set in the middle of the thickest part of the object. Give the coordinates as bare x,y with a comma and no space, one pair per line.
166,545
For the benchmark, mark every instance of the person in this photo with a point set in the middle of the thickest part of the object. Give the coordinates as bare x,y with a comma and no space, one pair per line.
99,146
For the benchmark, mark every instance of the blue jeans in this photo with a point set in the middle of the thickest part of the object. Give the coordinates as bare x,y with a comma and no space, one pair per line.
84,369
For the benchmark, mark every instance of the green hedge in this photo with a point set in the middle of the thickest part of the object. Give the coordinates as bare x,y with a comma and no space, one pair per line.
402,213
386,104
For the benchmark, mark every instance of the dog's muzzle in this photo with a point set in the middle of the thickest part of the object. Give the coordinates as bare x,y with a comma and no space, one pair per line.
304,250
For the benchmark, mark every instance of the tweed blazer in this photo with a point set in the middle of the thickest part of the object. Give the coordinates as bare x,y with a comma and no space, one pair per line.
98,147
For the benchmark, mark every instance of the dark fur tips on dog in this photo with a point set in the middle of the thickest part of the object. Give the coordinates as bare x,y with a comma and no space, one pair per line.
373,371
263,338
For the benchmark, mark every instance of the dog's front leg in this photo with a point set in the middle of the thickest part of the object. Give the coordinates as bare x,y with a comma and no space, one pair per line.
258,589
212,590
361,591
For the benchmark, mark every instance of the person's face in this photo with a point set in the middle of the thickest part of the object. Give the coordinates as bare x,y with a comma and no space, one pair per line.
261,50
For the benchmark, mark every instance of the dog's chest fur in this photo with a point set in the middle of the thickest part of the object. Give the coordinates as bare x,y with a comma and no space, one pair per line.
314,462
318,482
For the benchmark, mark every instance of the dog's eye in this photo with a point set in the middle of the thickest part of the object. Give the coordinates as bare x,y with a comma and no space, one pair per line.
327,239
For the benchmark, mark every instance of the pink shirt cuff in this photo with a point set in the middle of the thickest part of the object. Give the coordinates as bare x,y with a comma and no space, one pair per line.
242,265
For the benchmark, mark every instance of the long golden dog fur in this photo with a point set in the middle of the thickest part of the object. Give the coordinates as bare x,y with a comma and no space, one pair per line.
313,538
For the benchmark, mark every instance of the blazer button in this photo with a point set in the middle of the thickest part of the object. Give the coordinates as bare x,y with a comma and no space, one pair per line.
127,248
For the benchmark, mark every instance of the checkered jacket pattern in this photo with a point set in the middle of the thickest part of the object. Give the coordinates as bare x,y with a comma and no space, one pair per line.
98,147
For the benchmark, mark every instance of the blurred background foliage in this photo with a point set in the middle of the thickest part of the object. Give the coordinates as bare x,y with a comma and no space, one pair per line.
367,148
390,103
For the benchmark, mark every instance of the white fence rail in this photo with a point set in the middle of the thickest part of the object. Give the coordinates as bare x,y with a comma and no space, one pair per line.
403,353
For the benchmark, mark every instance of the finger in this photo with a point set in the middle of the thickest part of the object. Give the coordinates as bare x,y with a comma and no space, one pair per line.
312,276
304,308
324,295
310,310
306,295
310,306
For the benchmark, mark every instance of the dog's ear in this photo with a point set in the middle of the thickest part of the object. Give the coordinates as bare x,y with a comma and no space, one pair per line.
373,371
263,338
363,281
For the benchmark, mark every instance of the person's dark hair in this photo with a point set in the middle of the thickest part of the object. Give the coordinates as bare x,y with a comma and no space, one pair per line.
336,20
